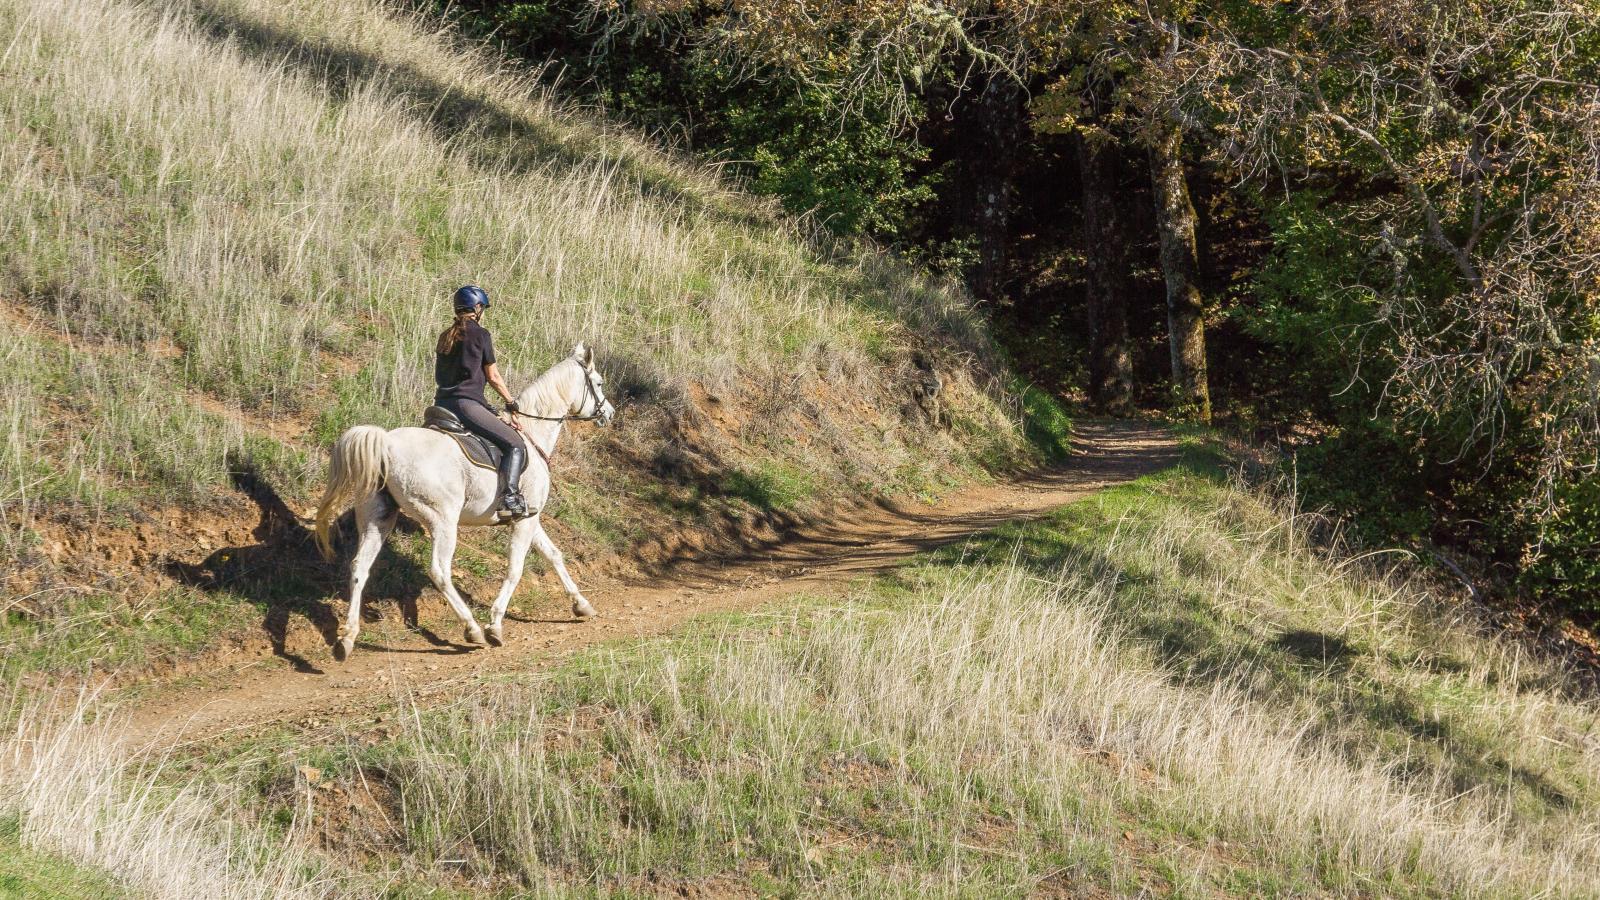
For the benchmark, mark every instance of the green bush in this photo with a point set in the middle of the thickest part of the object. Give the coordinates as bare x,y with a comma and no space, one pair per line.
1364,473
1565,566
855,173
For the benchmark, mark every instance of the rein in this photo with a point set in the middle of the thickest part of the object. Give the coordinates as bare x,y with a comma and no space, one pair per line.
590,392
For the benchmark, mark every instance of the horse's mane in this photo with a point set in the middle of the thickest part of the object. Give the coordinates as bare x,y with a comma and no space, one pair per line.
545,392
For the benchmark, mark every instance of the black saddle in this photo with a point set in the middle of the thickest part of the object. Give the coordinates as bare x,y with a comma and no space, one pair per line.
480,452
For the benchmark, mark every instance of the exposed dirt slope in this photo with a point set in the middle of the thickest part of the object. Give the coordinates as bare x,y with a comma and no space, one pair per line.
302,684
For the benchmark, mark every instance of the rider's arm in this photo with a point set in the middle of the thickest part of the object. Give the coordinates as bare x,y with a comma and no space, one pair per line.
491,372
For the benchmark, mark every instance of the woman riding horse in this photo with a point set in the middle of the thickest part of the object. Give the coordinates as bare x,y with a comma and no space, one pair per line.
464,362
424,474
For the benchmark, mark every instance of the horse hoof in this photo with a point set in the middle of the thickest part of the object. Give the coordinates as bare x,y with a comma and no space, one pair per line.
342,649
494,636
475,636
582,609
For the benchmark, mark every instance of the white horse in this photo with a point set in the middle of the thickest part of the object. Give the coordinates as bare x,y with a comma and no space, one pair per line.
424,474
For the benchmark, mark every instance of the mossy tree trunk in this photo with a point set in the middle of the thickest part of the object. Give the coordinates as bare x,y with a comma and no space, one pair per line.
1175,219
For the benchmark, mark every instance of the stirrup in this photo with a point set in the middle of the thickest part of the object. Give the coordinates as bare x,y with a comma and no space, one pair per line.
513,506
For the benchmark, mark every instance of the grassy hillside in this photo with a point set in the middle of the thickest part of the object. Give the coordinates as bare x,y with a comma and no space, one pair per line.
1170,688
228,228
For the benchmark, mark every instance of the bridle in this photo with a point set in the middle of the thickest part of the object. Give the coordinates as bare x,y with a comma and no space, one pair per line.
589,393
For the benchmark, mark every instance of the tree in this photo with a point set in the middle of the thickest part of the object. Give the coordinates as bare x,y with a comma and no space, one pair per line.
1106,288
1462,145
779,138
897,45
999,119
1180,268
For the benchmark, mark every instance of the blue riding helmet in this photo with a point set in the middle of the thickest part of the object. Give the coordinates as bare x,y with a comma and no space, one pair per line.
470,297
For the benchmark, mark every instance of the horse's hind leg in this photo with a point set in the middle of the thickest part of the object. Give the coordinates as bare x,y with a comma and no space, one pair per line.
521,539
444,552
548,549
375,518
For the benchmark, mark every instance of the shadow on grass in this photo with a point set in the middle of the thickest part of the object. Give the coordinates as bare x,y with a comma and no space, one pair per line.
1325,650
284,575
1473,762
511,141
507,140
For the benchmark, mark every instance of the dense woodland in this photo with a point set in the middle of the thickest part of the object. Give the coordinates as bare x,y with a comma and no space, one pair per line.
1368,230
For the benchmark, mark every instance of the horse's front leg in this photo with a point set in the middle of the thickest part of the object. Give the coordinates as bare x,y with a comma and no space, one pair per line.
521,540
580,606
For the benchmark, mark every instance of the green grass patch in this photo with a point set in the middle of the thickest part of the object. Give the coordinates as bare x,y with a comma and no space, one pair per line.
31,875
598,516
107,631
770,485
1045,423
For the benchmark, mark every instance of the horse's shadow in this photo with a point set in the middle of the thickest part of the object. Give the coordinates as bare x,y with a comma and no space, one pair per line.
284,575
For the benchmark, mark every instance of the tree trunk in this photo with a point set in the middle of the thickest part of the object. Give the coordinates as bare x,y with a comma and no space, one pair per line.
1175,219
999,120
1106,287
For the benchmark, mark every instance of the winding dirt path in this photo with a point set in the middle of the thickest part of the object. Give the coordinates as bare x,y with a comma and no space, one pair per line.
818,559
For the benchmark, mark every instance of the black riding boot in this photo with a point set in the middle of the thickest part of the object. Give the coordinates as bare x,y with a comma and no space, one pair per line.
511,466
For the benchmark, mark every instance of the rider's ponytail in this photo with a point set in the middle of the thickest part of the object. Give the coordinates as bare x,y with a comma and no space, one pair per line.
451,336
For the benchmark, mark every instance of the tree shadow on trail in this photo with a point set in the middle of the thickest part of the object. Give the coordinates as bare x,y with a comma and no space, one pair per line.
284,575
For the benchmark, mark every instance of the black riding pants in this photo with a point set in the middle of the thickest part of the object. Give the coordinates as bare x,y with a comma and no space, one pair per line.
480,419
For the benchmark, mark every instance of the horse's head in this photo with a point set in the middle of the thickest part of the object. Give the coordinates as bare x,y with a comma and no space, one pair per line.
570,389
592,404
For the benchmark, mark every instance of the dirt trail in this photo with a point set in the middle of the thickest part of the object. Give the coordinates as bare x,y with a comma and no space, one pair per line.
818,559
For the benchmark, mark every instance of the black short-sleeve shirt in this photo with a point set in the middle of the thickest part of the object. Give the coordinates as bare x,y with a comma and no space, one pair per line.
459,373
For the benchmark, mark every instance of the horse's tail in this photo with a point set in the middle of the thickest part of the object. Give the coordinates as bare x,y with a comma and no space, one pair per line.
355,472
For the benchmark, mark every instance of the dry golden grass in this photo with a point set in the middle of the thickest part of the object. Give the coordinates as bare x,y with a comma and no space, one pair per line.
1171,688
266,203
1125,697
76,792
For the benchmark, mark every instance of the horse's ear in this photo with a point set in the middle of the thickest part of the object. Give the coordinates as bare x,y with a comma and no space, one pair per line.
583,353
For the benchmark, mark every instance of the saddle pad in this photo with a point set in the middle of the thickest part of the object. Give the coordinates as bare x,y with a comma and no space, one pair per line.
479,452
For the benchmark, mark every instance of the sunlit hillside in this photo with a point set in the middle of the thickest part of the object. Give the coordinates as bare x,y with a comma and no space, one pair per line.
263,205
229,230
